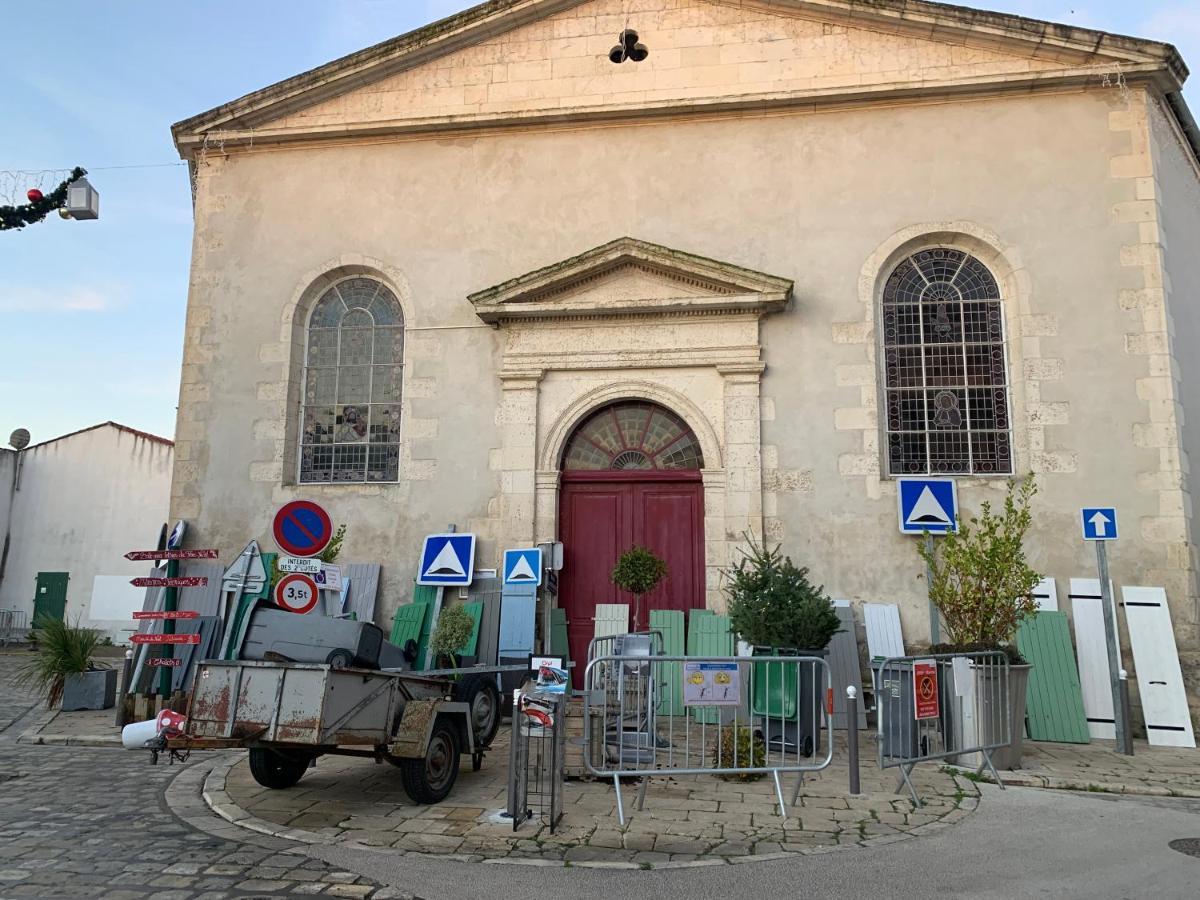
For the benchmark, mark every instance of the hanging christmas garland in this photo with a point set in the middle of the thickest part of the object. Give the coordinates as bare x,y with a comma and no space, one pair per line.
39,206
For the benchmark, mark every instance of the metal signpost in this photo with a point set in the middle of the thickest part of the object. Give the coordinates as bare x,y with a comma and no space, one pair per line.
1100,527
447,560
928,506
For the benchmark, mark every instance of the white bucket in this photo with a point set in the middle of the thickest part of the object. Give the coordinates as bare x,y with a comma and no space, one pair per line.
134,736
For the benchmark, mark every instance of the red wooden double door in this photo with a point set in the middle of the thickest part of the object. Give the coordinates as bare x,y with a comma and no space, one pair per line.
603,514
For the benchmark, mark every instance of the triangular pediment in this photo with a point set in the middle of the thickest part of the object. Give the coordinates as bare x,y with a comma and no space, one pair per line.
516,61
631,277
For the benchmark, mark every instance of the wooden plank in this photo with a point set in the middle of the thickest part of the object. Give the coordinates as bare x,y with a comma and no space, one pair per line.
1054,699
559,645
610,619
884,637
1092,652
845,667
364,580
475,611
1046,595
693,635
670,623
426,594
714,637
1156,659
408,622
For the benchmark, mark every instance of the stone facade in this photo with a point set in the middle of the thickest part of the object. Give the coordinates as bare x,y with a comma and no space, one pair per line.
820,141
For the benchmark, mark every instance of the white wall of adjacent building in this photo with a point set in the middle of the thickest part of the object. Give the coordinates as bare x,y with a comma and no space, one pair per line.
82,501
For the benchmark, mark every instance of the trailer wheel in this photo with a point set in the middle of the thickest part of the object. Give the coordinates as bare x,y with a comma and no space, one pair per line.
339,659
276,770
482,697
431,779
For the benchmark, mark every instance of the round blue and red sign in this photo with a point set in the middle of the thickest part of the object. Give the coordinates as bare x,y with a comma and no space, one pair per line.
302,528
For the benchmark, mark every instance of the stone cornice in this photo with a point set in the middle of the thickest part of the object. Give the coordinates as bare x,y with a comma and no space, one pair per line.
705,287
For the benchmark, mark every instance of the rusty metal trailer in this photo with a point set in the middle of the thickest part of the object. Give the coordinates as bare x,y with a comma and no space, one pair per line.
289,714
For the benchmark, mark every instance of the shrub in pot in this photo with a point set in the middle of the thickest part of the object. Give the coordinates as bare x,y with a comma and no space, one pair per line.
774,607
638,571
454,629
982,586
63,665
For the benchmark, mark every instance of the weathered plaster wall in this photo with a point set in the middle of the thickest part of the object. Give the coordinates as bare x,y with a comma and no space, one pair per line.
85,500
1176,228
829,200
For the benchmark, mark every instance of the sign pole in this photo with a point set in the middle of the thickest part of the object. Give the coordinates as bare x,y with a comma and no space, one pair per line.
935,621
170,604
1120,713
437,612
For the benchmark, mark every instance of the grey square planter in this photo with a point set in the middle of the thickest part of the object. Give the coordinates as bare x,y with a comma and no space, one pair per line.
90,690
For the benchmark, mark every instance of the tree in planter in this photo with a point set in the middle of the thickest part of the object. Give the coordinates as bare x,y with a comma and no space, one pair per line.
773,604
980,581
454,629
638,571
62,650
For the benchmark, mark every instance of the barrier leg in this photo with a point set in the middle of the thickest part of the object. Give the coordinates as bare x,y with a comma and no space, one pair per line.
987,762
620,805
796,792
779,794
642,793
905,780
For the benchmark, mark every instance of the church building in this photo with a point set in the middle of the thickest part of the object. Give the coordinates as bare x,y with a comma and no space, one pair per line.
681,273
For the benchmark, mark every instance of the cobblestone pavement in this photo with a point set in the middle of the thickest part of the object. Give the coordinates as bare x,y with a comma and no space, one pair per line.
1153,771
346,800
80,822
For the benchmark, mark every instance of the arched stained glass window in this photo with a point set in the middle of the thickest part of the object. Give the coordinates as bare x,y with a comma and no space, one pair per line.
945,367
353,373
633,435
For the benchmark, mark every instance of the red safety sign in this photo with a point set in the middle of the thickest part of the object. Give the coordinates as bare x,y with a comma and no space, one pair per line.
164,663
296,593
169,582
172,614
925,689
171,554
165,638
302,528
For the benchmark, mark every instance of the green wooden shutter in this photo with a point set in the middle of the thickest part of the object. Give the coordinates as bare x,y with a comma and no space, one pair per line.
407,623
714,637
1054,701
475,611
670,623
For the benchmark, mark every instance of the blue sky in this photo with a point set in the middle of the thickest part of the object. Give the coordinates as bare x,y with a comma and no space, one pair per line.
91,313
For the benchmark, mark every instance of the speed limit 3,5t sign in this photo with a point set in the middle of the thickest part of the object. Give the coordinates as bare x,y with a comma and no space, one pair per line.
296,593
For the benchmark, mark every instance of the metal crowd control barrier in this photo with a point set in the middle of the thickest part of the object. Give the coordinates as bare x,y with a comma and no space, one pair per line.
730,715
951,707
13,625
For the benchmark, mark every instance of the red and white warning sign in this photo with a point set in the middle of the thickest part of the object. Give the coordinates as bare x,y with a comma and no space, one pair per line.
296,593
925,689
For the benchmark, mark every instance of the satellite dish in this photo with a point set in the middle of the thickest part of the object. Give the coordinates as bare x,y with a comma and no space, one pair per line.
176,539
19,439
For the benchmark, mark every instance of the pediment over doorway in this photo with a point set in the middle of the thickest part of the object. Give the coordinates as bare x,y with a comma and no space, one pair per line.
629,277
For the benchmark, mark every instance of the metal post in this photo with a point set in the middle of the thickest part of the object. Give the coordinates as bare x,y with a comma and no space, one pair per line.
852,738
1110,638
1126,745
126,674
935,624
170,604
437,611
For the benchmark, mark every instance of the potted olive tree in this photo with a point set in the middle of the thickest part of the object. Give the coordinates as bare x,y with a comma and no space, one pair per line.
63,670
638,571
982,584
775,608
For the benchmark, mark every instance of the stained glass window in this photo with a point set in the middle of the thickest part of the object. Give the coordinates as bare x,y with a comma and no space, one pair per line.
353,372
633,435
945,369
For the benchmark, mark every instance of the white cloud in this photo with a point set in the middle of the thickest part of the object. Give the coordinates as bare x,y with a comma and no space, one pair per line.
68,300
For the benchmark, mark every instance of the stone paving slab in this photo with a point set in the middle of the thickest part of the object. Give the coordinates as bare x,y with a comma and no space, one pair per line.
1152,771
686,820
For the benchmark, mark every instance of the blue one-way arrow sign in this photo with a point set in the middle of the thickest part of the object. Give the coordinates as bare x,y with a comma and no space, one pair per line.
1099,523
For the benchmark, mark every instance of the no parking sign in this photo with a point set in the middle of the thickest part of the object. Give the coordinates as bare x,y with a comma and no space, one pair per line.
302,528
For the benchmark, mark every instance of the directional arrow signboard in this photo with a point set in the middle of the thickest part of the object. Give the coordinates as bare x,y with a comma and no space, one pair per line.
447,559
171,554
927,505
168,582
1099,523
523,566
157,662
166,614
165,638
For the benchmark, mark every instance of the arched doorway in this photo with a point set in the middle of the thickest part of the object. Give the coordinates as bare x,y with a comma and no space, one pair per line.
630,476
